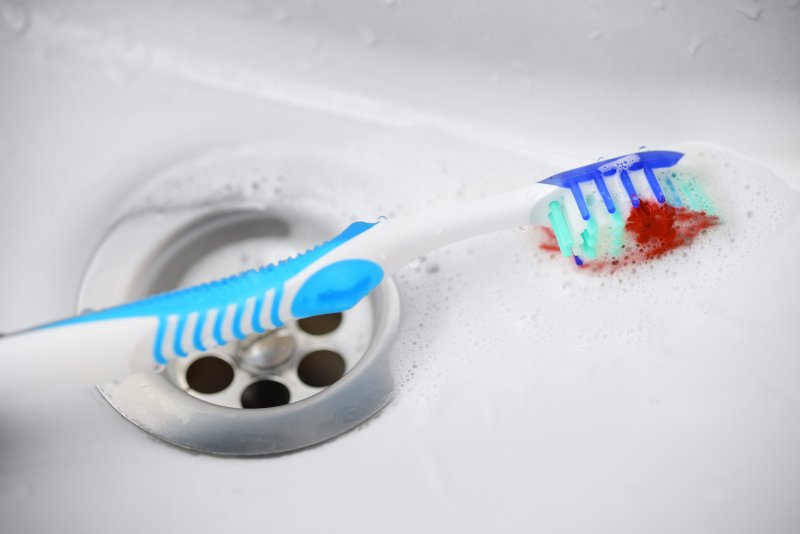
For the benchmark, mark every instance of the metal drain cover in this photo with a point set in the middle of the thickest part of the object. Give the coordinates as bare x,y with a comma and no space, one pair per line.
294,387
152,402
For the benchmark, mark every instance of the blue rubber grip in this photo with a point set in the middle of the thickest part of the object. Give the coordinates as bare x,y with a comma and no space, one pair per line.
336,287
347,280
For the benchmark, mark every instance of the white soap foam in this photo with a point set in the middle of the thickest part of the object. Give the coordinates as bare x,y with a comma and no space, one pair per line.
496,305
496,300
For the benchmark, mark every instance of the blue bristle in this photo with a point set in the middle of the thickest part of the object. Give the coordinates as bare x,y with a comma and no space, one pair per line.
580,201
602,188
654,185
625,178
675,197
599,171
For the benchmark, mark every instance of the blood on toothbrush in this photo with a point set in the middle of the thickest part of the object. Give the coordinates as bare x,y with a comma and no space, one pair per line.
548,241
653,230
660,228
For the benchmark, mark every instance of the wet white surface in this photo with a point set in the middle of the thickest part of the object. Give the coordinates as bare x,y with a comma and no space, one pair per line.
531,397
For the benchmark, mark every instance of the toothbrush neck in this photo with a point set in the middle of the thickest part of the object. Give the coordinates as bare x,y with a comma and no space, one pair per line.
412,236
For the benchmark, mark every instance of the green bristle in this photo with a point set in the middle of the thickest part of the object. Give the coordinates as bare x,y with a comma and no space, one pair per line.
673,197
590,234
560,227
617,234
702,200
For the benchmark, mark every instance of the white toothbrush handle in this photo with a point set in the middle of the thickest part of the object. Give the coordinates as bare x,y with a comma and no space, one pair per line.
330,278
84,353
87,347
395,242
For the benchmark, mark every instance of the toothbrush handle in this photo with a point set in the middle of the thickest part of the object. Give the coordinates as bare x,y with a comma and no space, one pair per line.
329,278
323,280
87,353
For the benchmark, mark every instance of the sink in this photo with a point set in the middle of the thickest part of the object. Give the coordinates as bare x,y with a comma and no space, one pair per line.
671,405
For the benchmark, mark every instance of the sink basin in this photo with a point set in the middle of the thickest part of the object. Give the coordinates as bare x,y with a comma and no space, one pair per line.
671,405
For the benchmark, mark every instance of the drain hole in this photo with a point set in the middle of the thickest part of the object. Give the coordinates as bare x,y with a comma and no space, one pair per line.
321,324
209,374
321,368
265,394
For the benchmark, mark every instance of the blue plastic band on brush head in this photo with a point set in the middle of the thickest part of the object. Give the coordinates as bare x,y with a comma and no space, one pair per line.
599,171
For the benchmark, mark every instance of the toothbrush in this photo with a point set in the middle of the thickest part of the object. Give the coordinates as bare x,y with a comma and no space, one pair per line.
337,274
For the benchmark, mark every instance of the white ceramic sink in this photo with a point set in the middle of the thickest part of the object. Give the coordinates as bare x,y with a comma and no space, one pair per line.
497,425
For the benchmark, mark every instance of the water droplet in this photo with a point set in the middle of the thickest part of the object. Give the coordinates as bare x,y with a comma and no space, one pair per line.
281,15
595,35
416,263
750,9
432,268
520,66
368,36
438,231
694,45
382,218
15,17
658,5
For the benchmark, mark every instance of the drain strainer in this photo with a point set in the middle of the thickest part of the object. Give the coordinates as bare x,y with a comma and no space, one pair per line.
287,389
282,366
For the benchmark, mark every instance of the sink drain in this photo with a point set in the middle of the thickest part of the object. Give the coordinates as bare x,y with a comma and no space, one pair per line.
299,358
275,392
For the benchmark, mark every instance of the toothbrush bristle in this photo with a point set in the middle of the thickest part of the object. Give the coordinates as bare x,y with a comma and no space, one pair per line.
659,213
602,188
625,178
577,194
655,187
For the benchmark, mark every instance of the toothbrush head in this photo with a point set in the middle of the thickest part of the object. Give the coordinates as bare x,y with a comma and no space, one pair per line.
638,196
